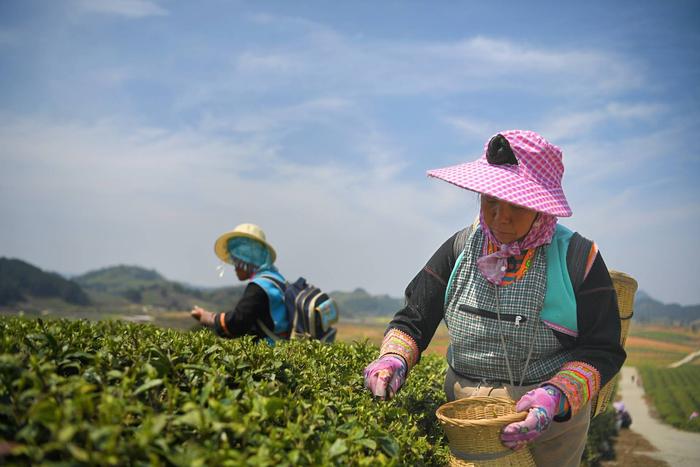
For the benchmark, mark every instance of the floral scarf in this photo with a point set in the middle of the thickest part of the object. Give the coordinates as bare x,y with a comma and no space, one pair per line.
493,266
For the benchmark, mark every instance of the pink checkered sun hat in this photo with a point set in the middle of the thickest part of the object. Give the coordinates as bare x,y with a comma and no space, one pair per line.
518,166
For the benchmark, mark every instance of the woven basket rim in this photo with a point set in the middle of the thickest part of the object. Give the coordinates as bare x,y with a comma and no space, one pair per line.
624,277
464,423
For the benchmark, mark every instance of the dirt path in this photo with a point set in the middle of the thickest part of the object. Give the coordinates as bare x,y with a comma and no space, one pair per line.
686,359
676,447
632,450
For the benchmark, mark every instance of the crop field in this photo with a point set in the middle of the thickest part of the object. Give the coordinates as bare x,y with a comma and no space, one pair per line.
659,346
645,356
373,330
672,335
119,393
675,394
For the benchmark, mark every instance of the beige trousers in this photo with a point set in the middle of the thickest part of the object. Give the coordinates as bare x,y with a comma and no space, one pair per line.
561,445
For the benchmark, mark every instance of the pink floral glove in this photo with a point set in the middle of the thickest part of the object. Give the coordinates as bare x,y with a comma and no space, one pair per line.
542,404
385,376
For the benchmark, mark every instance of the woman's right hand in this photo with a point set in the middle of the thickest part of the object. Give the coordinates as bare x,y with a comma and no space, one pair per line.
206,318
385,376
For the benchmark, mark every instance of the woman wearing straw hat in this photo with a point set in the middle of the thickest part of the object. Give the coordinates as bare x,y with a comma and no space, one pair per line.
261,311
518,326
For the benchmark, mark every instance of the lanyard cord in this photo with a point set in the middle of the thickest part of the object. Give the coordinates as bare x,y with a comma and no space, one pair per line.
505,349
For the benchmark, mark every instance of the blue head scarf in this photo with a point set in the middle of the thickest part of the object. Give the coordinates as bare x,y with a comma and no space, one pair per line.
250,251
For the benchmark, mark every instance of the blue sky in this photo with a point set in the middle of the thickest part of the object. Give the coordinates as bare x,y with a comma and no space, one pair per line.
137,131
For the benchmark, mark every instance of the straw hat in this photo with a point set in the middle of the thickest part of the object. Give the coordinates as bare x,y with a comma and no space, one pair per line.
251,231
518,166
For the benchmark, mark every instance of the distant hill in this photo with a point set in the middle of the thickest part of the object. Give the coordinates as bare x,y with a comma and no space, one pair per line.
648,310
641,295
20,281
360,303
120,287
125,286
147,287
110,289
117,279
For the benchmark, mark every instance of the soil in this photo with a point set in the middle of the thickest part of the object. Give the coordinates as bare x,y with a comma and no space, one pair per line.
630,449
634,341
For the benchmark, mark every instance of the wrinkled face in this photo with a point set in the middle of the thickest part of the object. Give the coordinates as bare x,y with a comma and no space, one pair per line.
507,222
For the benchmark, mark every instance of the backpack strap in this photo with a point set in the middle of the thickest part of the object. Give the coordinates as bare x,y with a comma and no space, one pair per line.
460,242
461,238
576,259
276,282
267,331
282,286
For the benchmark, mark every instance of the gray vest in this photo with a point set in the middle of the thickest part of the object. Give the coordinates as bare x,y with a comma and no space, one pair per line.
472,309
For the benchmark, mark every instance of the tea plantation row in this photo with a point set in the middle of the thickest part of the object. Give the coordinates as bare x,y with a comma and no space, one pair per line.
675,394
112,393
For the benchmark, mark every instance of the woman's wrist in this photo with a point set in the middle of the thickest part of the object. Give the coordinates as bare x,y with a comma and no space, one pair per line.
400,344
206,318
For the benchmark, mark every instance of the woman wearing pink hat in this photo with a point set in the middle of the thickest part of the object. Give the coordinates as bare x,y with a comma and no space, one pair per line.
529,304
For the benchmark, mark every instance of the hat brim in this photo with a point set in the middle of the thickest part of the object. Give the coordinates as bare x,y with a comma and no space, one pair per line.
221,245
504,182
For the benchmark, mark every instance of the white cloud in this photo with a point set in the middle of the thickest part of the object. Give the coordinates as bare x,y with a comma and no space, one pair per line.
313,59
270,118
159,199
644,231
471,126
151,196
128,8
582,123
628,158
281,21
295,90
265,63
590,159
110,77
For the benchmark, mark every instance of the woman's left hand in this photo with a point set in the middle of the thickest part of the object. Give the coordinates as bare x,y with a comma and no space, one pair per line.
542,405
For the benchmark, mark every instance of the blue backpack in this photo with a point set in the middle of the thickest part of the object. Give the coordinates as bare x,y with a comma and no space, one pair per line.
311,311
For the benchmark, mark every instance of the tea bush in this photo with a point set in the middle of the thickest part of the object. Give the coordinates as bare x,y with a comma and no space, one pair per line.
115,393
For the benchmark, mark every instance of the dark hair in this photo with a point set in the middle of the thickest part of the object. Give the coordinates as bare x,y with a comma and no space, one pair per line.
499,151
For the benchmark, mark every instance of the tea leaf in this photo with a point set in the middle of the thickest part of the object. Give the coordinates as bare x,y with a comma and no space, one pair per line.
148,385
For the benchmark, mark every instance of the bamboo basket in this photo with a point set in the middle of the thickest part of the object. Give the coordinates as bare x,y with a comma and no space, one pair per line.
625,287
473,427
